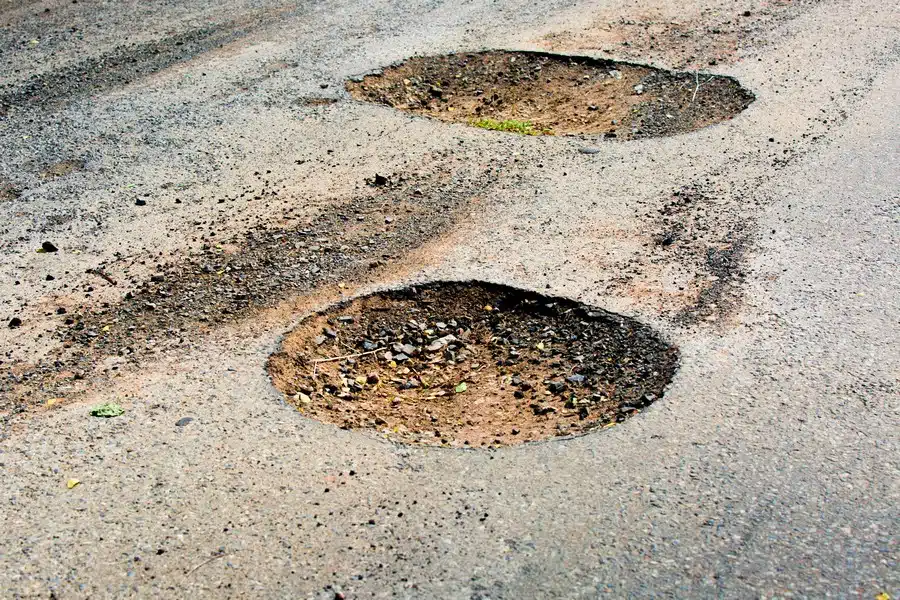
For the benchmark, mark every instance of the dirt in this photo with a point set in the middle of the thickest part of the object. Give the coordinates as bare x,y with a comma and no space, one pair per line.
235,277
471,364
556,94
695,230
680,36
8,191
61,169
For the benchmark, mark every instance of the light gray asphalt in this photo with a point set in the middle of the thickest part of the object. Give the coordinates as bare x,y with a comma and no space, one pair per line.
770,469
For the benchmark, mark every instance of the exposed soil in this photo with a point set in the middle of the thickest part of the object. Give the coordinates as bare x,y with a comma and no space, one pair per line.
697,229
61,169
471,364
679,35
8,191
231,279
556,94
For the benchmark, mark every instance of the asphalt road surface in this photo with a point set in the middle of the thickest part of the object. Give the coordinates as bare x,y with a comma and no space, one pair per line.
144,139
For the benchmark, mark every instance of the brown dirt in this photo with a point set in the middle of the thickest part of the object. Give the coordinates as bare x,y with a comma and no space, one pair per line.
683,37
557,94
8,191
232,279
471,364
694,229
61,169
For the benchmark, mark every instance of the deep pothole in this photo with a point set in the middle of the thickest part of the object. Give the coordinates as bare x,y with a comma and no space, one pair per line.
471,364
539,93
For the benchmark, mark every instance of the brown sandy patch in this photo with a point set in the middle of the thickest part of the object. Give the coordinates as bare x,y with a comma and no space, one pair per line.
555,94
471,364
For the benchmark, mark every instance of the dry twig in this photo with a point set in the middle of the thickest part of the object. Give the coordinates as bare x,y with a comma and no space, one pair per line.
205,562
102,275
333,358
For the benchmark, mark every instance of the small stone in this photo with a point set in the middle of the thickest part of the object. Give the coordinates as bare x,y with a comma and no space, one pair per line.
372,378
329,332
304,399
576,379
519,394
15,322
556,387
183,421
389,220
639,89
157,278
345,319
140,202
48,247
368,345
320,339
400,357
589,150
441,343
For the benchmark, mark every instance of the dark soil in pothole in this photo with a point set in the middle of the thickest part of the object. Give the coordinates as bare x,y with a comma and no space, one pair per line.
471,364
555,94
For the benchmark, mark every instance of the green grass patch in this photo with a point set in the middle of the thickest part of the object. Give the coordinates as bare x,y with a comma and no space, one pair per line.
110,409
510,125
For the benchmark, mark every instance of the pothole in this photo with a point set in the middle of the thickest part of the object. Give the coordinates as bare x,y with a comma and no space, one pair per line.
540,93
471,364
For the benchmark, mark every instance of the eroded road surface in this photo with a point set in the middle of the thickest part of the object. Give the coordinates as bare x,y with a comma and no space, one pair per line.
449,299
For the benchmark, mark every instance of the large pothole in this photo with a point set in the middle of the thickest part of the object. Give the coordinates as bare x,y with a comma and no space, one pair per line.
471,364
539,93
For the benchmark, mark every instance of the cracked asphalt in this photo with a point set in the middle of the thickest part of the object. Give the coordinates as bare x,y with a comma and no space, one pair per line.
770,468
